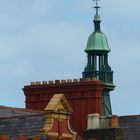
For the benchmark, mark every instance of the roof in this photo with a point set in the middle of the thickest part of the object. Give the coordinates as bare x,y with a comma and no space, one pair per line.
12,112
97,41
131,125
17,121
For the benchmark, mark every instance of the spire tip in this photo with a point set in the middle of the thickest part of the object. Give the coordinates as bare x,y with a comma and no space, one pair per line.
97,7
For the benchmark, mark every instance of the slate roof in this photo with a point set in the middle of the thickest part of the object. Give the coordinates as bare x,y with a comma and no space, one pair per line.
11,112
131,125
16,121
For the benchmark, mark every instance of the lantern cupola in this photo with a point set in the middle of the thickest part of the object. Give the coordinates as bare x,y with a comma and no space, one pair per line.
97,50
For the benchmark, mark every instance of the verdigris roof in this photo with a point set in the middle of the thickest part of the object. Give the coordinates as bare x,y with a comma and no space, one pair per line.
97,41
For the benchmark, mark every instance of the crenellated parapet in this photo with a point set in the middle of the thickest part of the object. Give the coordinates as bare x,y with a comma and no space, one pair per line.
64,81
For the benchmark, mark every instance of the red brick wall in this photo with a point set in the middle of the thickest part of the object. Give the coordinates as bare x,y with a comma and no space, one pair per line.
6,137
84,96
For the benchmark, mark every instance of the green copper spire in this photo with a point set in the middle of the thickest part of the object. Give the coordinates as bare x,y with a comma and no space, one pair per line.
97,50
97,41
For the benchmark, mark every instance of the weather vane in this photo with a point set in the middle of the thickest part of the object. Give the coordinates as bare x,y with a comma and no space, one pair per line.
97,7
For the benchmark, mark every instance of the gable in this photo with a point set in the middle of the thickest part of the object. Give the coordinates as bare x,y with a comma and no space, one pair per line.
59,104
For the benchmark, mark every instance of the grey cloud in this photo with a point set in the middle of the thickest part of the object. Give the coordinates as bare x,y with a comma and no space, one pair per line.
38,39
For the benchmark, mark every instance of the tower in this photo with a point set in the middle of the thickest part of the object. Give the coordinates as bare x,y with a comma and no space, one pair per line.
97,50
86,95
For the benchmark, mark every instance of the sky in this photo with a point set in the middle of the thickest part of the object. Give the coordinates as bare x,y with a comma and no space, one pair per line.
43,40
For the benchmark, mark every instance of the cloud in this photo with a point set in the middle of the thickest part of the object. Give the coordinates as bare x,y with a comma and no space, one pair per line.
44,40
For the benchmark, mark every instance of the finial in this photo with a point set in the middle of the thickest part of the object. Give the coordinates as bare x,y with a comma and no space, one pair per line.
97,7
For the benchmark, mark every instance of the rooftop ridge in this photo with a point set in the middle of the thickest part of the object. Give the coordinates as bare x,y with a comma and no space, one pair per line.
63,81
23,116
20,109
130,117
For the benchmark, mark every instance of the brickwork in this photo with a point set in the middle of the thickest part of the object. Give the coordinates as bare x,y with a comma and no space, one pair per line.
131,125
57,124
6,137
22,138
84,96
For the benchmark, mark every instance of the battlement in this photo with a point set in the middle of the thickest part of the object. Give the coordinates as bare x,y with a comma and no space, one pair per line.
64,81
